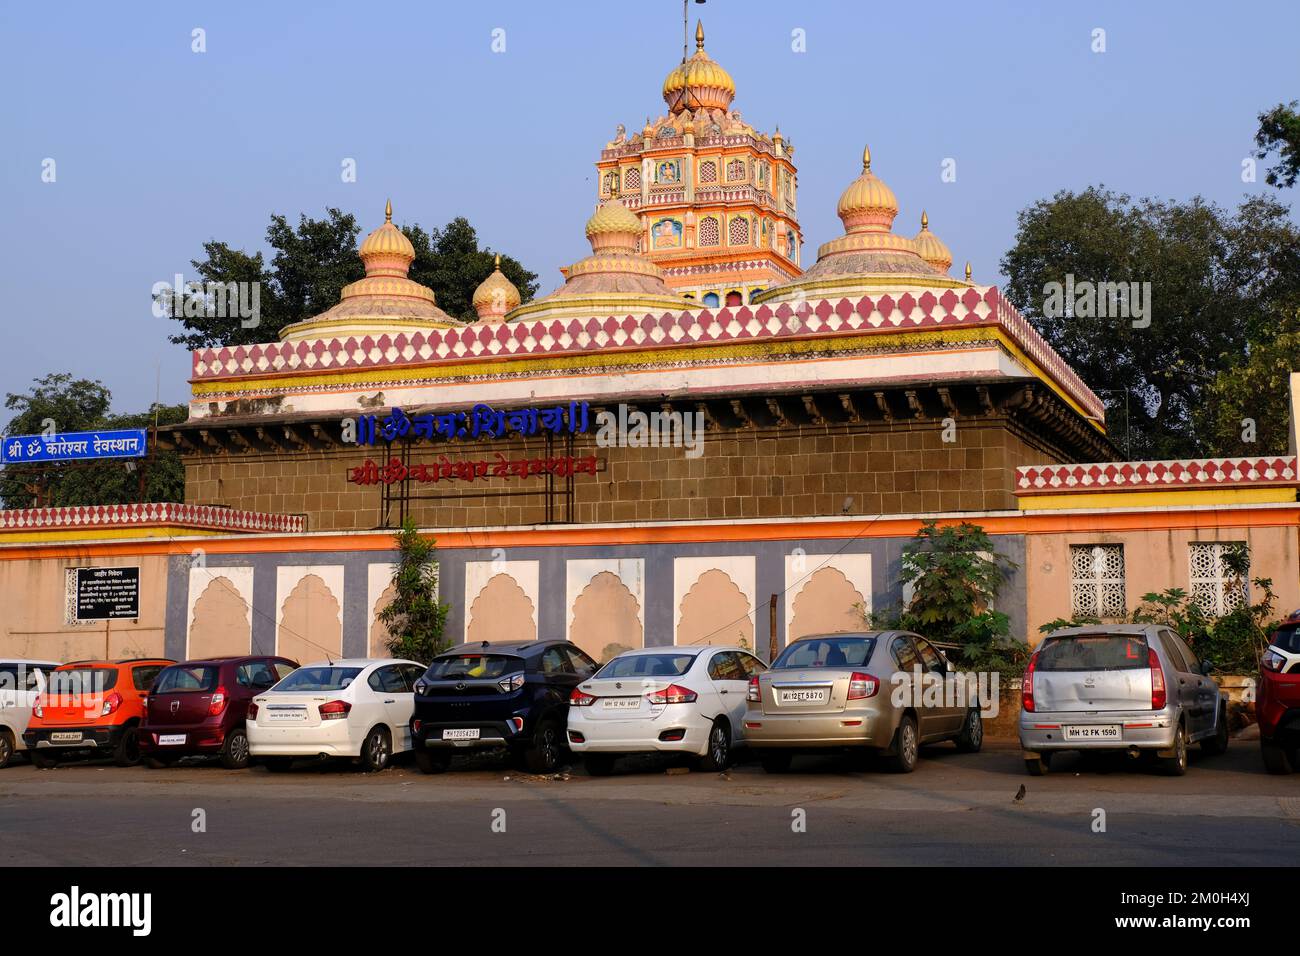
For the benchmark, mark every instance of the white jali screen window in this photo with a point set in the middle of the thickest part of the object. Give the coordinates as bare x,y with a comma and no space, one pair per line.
1214,588
1097,580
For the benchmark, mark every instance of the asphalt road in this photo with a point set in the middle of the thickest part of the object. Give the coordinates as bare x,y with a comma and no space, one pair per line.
955,809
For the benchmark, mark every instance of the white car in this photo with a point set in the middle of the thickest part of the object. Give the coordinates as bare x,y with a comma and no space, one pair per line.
343,708
684,699
21,682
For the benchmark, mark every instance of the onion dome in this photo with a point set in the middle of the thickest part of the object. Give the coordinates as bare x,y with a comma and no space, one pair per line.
387,300
930,247
613,228
698,83
867,203
495,296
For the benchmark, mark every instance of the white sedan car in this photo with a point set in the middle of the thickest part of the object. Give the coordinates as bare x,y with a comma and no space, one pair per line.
687,699
344,708
21,682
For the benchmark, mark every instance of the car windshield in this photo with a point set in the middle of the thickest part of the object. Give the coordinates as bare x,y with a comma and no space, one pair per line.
186,678
1094,652
83,680
1287,638
827,652
648,665
318,678
473,666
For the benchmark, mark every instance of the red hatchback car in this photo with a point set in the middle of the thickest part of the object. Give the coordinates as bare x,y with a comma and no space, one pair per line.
197,708
1277,700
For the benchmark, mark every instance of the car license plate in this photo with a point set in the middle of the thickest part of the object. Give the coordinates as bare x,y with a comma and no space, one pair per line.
814,696
1094,732
460,733
283,714
66,737
621,703
170,740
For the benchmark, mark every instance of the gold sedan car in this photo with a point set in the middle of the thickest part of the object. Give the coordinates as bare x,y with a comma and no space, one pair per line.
883,692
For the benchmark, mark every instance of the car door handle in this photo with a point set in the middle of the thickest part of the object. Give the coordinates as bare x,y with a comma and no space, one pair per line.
724,691
390,702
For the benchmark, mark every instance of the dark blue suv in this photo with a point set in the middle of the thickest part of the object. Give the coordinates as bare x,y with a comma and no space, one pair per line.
512,694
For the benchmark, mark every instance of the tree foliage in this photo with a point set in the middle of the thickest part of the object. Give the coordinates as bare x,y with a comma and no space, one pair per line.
415,619
1223,286
83,405
1279,131
312,262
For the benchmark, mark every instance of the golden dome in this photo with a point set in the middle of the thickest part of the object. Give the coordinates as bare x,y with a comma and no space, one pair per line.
698,83
496,295
613,219
867,203
387,241
930,247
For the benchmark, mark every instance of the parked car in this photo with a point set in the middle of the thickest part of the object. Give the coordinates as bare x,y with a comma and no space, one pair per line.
1277,701
1129,687
675,699
356,708
512,694
831,692
197,708
21,682
92,708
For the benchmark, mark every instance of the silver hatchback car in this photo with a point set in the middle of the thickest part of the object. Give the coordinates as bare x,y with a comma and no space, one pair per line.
1129,687
859,692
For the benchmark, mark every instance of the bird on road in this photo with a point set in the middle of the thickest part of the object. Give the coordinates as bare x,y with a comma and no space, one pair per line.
1020,794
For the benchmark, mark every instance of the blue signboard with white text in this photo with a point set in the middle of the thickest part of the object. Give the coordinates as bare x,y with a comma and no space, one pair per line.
73,446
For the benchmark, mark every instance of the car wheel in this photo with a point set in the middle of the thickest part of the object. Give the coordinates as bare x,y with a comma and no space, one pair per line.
543,756
432,761
907,744
376,750
1176,765
971,738
1219,742
1277,759
599,765
234,752
41,759
276,764
6,748
127,751
775,761
718,757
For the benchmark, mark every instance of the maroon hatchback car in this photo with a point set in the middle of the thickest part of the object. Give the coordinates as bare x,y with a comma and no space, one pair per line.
197,708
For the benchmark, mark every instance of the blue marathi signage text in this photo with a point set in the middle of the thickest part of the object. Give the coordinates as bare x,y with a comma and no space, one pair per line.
478,421
73,446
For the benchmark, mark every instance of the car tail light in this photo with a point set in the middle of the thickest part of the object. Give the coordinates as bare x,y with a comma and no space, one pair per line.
580,699
518,724
252,710
218,703
335,710
1158,696
1027,686
421,688
38,708
111,703
672,694
511,683
416,726
753,694
862,686
1273,661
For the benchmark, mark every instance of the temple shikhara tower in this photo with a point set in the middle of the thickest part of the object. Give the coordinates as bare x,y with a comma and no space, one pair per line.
716,197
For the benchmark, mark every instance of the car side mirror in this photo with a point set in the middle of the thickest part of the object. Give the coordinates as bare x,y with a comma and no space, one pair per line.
1206,667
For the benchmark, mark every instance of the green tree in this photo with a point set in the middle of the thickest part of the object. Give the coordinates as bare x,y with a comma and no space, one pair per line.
1220,285
1248,407
415,619
1279,131
83,405
312,262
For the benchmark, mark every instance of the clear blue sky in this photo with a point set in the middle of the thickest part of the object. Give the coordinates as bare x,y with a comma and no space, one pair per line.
159,149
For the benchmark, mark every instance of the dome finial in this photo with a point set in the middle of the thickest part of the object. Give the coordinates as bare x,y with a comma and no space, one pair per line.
925,221
388,211
866,158
968,272
699,35
498,261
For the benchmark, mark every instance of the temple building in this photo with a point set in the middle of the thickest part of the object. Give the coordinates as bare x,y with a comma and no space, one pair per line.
691,440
